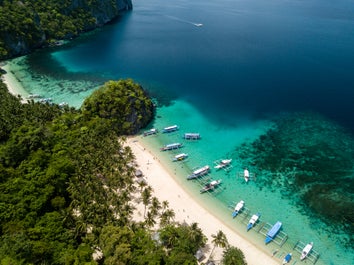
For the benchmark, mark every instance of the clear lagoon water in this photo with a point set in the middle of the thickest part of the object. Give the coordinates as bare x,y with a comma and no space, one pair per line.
269,84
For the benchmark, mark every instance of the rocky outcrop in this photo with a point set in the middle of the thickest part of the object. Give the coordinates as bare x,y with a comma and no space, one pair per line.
22,36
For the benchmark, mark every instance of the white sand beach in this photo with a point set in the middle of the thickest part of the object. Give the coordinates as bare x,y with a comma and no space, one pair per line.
13,84
187,209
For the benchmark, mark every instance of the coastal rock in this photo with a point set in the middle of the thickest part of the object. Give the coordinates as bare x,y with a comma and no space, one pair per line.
31,26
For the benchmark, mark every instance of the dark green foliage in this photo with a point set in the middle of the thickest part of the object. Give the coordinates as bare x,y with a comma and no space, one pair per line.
66,186
182,242
233,256
124,103
29,24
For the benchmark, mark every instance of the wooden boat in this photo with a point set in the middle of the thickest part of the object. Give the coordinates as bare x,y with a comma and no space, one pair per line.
223,163
199,172
191,136
306,250
170,129
171,146
287,258
180,157
238,208
273,232
150,132
253,220
210,186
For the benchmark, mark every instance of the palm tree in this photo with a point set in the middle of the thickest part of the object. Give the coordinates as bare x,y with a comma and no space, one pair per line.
155,206
233,256
166,217
150,220
219,240
146,196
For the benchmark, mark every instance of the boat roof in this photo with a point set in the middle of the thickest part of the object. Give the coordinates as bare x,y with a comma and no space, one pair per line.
274,229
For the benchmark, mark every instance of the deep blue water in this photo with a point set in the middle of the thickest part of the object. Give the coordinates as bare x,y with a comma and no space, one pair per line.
250,57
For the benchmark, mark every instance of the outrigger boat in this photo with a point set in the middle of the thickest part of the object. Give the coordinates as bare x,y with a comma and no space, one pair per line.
253,220
246,175
170,129
305,252
223,163
238,208
171,146
273,232
151,132
191,136
210,186
199,172
180,157
287,258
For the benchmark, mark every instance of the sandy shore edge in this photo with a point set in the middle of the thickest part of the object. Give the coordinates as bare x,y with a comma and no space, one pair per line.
187,209
14,86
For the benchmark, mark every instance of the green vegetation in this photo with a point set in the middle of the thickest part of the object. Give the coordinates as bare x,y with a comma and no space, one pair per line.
68,188
30,24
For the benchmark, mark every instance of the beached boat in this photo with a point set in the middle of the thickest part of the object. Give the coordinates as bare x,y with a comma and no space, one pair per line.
191,136
199,172
210,186
150,132
253,220
223,163
180,157
171,146
287,258
273,232
238,208
305,252
170,129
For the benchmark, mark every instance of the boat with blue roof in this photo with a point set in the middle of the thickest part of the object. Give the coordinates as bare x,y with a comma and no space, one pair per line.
273,232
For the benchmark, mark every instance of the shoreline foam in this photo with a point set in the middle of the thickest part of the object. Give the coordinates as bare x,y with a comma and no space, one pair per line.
188,209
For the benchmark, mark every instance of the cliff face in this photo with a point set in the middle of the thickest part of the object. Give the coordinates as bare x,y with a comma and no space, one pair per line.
30,25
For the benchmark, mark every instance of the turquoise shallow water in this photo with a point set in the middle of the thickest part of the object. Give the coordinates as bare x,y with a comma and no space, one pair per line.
218,142
228,79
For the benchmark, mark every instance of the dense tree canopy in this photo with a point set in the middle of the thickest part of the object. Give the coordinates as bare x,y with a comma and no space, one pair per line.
29,24
67,185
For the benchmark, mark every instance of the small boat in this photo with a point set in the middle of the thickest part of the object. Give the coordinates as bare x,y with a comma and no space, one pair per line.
273,232
191,136
238,208
210,186
63,104
253,220
246,175
199,172
32,96
46,100
170,129
305,252
150,132
171,146
223,163
287,258
180,157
